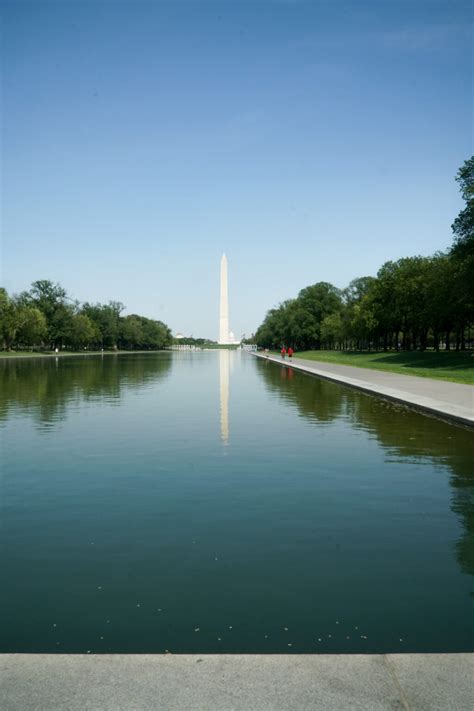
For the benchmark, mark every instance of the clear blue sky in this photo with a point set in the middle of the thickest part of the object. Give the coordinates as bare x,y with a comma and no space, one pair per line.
308,140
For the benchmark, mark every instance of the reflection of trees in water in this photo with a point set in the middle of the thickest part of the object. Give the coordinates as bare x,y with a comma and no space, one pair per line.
407,434
315,399
402,432
463,505
45,387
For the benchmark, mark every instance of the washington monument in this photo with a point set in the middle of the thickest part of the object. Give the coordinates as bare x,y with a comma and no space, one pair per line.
226,337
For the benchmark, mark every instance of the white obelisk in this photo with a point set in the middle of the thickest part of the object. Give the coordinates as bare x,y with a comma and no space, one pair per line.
224,305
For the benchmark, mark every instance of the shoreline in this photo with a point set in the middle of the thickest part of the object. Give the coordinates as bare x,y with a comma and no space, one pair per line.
452,402
68,354
327,682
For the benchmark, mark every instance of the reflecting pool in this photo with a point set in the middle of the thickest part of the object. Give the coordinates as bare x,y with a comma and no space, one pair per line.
215,502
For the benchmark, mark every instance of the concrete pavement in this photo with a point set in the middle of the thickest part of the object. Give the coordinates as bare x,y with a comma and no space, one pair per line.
233,682
451,401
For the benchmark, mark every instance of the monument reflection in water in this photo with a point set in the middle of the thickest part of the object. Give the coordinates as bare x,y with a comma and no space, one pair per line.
224,376
133,520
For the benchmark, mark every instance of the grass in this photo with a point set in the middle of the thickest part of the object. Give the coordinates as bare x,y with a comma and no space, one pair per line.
456,367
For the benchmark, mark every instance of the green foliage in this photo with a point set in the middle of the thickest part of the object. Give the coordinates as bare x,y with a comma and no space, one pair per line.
140,332
107,320
82,331
298,321
463,225
32,326
413,303
462,251
331,329
7,319
57,308
45,317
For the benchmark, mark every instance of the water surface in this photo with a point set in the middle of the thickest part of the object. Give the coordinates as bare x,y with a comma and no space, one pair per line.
213,502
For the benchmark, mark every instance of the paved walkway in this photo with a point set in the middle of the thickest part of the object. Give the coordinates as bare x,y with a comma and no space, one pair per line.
233,682
452,401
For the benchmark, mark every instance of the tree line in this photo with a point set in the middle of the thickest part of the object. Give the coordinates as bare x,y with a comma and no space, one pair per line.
413,303
45,317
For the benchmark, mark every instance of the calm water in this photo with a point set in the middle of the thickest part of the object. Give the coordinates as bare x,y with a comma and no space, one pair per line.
212,502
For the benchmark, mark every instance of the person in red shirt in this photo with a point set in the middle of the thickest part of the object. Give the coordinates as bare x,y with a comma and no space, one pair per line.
290,352
283,352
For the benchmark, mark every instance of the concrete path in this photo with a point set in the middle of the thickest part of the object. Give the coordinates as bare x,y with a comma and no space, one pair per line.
452,401
233,682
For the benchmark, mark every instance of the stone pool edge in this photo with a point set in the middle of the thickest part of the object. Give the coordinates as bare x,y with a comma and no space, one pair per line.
237,681
451,412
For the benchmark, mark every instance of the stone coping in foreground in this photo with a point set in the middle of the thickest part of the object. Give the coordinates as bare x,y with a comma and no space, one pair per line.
450,401
237,682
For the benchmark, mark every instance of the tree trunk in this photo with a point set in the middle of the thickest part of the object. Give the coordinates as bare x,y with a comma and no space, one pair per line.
423,337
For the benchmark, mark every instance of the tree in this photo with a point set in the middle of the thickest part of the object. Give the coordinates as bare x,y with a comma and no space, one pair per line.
364,323
53,302
106,318
354,327
463,225
131,332
462,252
32,326
298,321
331,330
318,301
8,324
82,331
442,295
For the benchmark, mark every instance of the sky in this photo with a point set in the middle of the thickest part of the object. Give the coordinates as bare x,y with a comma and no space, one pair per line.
309,141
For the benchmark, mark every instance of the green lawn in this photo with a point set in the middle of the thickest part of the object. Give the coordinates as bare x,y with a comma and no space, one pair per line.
457,367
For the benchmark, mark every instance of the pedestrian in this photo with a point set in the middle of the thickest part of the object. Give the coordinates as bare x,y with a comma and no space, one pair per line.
283,352
290,352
